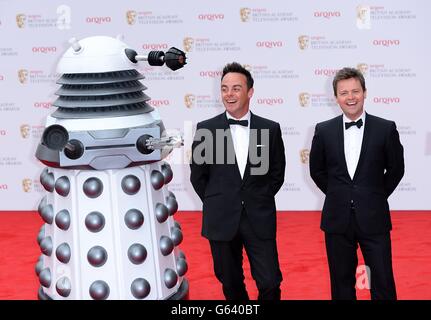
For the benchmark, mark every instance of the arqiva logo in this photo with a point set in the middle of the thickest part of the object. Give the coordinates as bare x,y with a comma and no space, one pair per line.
98,20
211,74
154,46
211,16
270,101
327,14
386,100
269,44
386,43
44,49
159,102
42,105
325,72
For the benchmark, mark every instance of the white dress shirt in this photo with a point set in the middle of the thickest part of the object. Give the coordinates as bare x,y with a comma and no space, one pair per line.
241,139
353,143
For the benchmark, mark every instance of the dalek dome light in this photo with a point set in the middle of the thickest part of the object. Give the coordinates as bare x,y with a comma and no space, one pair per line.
94,55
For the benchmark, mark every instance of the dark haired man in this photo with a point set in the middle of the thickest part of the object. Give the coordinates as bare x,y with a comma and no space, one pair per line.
357,160
237,168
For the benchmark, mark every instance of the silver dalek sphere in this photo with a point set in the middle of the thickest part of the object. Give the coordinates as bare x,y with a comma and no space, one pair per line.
108,231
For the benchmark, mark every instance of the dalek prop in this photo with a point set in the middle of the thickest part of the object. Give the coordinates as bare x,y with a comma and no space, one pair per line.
109,230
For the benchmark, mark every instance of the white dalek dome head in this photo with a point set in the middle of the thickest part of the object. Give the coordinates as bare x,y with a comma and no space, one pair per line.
103,120
94,55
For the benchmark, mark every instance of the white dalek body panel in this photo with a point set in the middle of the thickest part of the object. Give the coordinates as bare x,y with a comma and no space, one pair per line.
109,230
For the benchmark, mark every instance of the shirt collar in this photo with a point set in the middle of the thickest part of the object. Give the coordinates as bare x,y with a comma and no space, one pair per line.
345,119
245,117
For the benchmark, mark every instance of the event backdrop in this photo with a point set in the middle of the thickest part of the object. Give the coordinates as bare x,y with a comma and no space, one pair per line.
292,48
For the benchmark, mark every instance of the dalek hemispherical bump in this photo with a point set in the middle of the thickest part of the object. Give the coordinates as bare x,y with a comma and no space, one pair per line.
172,205
95,221
130,184
134,219
140,288
137,253
62,186
62,219
47,213
63,286
41,234
46,246
63,253
39,266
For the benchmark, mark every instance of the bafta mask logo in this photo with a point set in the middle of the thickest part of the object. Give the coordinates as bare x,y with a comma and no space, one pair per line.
305,155
189,100
303,42
22,76
244,13
25,131
248,67
20,20
131,17
188,44
26,185
363,68
64,19
304,99
363,17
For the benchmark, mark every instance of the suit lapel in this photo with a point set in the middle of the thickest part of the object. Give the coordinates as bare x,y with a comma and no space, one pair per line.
365,139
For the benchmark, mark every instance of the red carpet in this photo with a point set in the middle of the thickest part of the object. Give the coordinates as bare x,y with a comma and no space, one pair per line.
301,251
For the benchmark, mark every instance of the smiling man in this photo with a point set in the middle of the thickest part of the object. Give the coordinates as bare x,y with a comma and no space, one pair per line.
357,161
236,177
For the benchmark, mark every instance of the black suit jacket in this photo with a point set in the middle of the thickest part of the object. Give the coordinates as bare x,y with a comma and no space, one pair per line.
224,193
380,169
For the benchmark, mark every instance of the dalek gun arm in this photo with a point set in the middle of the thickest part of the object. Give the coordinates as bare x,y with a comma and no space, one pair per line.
175,141
173,58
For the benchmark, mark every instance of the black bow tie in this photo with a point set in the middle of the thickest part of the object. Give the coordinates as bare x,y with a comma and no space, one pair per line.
240,122
353,123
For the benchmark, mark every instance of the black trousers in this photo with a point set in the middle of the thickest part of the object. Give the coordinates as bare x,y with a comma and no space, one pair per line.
341,250
263,258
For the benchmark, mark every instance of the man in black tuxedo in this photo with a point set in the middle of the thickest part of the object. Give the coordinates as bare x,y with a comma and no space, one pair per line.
357,160
237,168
